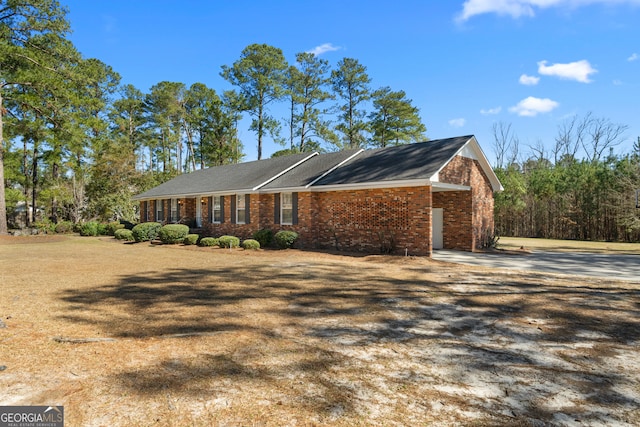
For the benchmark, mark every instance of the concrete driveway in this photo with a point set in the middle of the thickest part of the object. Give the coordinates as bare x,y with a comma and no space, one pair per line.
621,267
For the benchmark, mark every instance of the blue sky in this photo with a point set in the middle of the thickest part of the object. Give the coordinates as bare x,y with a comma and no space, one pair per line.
465,64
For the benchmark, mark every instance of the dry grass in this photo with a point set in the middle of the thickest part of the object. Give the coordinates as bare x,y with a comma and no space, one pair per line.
218,337
511,243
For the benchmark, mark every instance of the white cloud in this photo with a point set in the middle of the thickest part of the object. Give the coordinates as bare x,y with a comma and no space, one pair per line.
323,48
578,70
529,80
457,123
633,57
617,82
519,8
531,106
491,111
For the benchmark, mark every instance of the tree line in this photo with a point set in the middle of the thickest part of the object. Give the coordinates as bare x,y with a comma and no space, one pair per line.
577,189
76,143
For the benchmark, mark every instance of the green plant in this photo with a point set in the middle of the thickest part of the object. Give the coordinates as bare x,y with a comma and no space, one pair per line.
285,238
229,241
208,241
191,239
112,227
251,244
45,226
173,233
124,234
89,228
146,231
64,227
264,237
102,229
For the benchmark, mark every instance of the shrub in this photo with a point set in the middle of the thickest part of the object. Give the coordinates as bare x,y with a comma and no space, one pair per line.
112,227
251,244
285,238
229,241
146,231
173,233
208,241
89,228
102,229
191,239
45,226
64,227
124,234
264,237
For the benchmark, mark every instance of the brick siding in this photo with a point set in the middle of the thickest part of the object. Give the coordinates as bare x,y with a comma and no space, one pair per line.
392,220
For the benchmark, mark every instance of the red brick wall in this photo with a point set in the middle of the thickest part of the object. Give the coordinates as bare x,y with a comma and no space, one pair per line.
387,220
373,220
468,215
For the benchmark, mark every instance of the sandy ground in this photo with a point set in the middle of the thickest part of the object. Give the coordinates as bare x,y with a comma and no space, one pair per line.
124,334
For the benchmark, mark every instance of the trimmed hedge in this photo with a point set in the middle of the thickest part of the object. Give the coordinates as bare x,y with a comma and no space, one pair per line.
229,241
90,228
251,244
191,239
124,234
285,238
208,241
146,231
171,234
264,237
112,227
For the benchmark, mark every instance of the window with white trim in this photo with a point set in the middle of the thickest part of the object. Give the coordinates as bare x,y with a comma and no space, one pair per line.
286,208
159,211
174,210
240,209
217,209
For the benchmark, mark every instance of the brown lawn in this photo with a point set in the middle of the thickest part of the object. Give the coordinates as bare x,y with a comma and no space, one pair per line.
139,334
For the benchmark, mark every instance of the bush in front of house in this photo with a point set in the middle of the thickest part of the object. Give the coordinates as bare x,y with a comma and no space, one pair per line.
191,239
112,227
264,237
64,227
171,234
285,238
146,231
89,228
124,234
208,241
229,241
251,244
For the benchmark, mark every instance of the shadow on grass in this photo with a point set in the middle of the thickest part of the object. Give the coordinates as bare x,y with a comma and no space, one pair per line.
321,333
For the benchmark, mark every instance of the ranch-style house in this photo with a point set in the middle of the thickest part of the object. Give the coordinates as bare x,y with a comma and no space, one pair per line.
402,199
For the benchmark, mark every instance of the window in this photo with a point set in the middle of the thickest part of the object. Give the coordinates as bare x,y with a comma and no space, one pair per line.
240,209
217,209
159,217
174,210
286,208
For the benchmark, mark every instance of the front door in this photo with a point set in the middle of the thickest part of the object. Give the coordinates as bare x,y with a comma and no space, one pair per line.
437,225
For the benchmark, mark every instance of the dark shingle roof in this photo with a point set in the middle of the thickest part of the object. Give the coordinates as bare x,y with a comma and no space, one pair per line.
404,162
397,163
228,178
310,170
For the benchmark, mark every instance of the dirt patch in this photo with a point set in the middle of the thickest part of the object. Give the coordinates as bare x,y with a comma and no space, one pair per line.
145,334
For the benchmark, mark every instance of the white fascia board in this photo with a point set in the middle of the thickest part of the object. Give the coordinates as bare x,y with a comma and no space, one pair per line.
334,168
442,186
195,195
315,153
372,185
